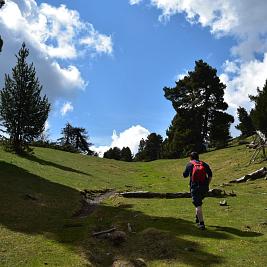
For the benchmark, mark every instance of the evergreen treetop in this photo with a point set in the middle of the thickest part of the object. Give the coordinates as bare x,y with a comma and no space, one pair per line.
259,112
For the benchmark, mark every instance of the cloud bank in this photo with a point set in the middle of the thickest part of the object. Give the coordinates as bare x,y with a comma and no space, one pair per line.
56,37
245,21
130,137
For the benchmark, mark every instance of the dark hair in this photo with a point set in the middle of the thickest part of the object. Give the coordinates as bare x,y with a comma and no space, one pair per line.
194,155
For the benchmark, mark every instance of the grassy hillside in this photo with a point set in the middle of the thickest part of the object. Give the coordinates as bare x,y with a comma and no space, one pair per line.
39,195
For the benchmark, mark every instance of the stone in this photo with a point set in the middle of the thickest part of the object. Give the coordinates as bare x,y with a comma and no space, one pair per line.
118,237
223,203
122,263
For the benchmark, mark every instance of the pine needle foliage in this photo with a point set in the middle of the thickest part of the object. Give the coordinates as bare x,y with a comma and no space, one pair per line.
23,111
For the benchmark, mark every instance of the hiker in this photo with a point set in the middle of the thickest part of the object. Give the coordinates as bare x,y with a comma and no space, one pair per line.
200,178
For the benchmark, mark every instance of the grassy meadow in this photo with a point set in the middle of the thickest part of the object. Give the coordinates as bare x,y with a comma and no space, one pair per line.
40,193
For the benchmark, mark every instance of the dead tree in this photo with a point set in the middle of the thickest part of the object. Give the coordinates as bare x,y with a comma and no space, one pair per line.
215,192
261,173
259,144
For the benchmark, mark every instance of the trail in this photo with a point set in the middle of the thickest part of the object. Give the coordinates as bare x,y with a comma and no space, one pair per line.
90,200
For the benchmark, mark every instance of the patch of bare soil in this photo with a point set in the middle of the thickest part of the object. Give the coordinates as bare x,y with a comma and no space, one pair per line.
90,200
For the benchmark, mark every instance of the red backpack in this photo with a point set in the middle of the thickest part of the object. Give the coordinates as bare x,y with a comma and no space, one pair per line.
198,173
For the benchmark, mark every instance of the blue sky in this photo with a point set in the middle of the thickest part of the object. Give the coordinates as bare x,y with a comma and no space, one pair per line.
120,55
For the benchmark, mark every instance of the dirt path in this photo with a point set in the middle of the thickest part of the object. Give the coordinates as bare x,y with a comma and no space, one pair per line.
90,200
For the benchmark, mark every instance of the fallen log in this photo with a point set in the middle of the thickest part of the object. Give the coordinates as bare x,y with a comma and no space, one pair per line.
146,194
252,176
104,232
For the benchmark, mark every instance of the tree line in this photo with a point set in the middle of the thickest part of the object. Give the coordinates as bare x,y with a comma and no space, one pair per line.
200,121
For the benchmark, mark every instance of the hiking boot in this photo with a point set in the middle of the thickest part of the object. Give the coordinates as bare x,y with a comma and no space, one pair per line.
201,226
197,220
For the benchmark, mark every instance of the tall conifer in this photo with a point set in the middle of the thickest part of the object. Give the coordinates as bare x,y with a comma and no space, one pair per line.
259,112
245,126
198,99
23,111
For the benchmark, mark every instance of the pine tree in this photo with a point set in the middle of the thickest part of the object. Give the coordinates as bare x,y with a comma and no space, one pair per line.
245,126
150,149
181,137
113,153
22,108
153,147
126,154
219,132
259,112
196,98
139,156
75,139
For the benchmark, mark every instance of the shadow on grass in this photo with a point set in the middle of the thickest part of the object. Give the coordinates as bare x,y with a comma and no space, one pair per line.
153,238
31,157
33,205
235,231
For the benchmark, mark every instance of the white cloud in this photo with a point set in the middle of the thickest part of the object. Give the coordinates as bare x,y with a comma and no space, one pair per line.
101,43
250,75
130,137
100,150
241,18
245,20
231,66
67,107
54,36
135,2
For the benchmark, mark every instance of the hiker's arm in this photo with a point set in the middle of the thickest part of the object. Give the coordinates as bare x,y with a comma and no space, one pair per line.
209,173
187,170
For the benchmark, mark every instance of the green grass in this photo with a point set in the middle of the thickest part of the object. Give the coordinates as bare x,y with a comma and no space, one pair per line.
37,233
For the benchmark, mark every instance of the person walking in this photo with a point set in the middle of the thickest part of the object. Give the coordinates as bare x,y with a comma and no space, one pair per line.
200,178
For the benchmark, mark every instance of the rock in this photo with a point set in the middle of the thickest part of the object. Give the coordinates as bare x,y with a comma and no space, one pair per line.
139,262
223,203
118,237
122,263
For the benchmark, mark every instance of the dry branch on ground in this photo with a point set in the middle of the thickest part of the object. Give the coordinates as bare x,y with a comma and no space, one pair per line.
252,176
146,194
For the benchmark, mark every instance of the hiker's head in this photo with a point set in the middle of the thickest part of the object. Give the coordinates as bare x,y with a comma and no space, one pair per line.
194,156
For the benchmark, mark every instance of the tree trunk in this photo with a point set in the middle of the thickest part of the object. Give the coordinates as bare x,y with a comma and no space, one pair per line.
252,176
146,194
